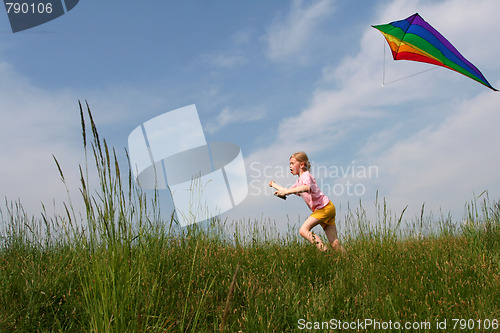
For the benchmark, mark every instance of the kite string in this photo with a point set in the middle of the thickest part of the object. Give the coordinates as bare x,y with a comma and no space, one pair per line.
383,72
408,76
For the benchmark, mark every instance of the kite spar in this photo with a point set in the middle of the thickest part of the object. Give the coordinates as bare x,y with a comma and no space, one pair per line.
416,40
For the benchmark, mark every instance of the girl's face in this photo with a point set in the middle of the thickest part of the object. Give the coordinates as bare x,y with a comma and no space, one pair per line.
295,166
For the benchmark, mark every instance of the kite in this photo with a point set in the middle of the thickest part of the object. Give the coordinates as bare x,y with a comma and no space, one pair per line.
416,40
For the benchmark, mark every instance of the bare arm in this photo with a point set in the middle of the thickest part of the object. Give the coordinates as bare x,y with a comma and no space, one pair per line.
283,192
276,186
298,189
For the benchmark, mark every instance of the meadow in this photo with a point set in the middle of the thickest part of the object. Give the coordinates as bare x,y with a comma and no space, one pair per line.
120,267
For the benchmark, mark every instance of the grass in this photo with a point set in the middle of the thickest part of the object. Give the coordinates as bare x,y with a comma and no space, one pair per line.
120,268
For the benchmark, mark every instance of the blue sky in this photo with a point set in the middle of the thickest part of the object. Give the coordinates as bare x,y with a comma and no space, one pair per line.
272,77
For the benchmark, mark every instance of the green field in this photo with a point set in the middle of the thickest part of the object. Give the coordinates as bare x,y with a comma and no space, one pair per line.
120,268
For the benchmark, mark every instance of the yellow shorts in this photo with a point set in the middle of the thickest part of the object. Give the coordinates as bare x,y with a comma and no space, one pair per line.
326,215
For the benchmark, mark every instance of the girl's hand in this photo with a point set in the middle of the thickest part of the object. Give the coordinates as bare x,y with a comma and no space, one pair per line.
281,193
271,183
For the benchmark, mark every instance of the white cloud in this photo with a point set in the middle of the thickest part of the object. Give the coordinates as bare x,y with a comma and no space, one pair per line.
34,125
229,116
292,38
444,165
234,56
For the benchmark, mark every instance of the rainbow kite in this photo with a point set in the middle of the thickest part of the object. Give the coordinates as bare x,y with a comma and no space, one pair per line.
416,40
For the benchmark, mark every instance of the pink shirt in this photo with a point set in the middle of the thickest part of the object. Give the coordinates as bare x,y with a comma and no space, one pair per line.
315,199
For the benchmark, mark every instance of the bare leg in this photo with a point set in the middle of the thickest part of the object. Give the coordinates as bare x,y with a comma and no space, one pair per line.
331,234
305,231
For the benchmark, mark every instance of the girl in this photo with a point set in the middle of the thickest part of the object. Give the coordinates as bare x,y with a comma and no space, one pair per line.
322,208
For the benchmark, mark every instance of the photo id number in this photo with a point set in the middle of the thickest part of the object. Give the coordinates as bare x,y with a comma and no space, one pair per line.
28,8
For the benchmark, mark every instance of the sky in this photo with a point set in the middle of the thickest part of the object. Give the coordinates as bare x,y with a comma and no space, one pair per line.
272,77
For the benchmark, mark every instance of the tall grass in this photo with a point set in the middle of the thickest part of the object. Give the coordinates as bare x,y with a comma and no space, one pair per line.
119,267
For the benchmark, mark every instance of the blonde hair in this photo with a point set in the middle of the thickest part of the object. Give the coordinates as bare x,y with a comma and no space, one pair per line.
302,157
